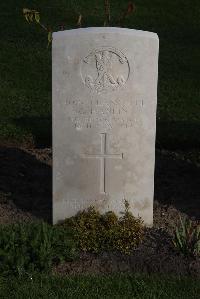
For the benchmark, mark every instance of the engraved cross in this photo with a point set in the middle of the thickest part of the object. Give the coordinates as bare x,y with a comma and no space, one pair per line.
103,156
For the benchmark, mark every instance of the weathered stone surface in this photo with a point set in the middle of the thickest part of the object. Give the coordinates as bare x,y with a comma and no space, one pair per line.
104,120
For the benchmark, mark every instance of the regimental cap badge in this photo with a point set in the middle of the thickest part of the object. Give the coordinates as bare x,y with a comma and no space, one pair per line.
105,69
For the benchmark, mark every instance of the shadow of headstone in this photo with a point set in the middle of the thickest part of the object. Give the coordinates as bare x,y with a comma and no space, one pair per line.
177,183
27,181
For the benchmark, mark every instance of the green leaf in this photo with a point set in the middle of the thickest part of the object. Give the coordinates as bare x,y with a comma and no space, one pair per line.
79,22
31,17
49,38
37,17
26,11
27,17
198,232
179,238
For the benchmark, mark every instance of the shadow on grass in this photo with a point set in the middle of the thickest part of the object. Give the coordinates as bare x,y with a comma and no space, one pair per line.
39,127
176,135
177,183
171,135
181,135
29,181
26,181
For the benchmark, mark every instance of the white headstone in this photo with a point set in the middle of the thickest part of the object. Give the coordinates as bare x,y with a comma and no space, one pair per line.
104,120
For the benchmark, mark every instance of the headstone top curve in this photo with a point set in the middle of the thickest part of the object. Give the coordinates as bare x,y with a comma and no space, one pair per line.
133,32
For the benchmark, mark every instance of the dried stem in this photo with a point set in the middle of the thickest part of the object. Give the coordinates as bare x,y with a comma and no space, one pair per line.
107,12
43,26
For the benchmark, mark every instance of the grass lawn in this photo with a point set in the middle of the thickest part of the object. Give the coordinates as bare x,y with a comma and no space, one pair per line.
115,286
25,65
25,113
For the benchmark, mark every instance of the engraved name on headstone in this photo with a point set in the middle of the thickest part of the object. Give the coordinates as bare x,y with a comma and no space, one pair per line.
104,120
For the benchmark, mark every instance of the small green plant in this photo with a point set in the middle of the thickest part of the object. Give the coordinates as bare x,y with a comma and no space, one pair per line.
33,247
95,232
187,237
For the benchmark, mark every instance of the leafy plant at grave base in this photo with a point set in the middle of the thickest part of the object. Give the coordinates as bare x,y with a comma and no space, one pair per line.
95,232
187,237
33,247
33,16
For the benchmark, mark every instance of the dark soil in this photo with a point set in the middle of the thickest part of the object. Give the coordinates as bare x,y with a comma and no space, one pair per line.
155,255
26,194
